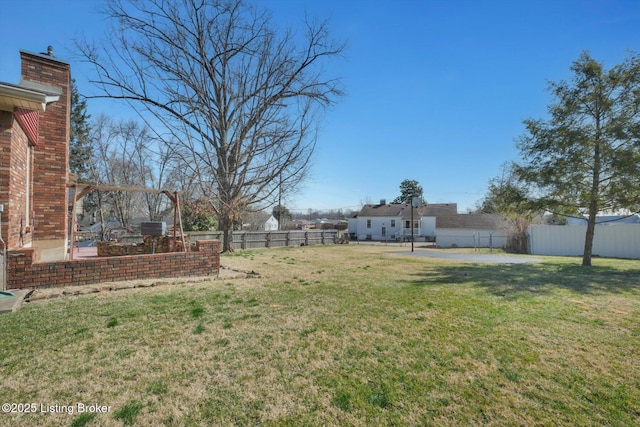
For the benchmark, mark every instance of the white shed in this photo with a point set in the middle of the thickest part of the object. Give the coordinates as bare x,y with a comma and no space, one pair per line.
470,230
271,224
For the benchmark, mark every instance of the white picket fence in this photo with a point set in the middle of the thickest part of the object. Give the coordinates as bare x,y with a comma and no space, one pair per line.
616,241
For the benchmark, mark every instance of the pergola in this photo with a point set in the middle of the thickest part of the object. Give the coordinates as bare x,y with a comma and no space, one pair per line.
86,188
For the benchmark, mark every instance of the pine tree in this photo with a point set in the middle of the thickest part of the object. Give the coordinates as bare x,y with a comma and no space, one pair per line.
585,158
79,146
409,188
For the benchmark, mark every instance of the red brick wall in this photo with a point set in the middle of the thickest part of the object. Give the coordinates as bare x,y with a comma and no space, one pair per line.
6,132
13,180
51,155
25,273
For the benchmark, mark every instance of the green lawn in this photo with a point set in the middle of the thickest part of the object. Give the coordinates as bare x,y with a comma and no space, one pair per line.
338,335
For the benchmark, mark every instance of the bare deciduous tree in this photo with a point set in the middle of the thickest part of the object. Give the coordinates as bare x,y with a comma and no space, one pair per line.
124,154
238,97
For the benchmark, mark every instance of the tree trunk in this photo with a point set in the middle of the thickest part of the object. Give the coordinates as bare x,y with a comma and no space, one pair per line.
225,221
593,199
227,239
588,240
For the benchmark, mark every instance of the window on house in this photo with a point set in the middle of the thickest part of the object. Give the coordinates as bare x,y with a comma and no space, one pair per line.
384,231
393,223
368,223
407,224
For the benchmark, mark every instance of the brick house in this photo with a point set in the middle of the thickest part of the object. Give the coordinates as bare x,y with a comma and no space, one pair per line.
34,156
34,191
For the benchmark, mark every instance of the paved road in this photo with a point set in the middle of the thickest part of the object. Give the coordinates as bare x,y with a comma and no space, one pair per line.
482,258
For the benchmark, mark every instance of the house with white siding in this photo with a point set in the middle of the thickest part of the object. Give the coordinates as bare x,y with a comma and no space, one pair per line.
271,224
392,222
439,222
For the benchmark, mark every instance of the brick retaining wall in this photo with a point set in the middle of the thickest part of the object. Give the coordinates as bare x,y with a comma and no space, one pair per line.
23,272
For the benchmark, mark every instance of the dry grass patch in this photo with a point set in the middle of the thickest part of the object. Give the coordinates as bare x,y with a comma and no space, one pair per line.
340,335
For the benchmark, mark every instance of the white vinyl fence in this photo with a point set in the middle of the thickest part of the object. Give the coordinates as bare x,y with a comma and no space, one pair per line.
616,241
463,238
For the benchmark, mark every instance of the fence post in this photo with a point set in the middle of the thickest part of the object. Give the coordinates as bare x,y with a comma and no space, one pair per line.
268,239
288,239
306,238
243,241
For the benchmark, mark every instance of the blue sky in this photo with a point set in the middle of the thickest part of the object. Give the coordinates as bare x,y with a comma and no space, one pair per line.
436,91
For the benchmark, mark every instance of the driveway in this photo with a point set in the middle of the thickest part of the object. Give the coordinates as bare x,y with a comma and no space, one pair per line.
469,257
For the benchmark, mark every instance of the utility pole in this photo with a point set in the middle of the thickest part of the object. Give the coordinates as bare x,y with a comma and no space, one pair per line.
280,202
415,202
412,226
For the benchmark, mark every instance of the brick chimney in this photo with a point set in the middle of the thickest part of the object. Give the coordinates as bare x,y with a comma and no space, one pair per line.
50,215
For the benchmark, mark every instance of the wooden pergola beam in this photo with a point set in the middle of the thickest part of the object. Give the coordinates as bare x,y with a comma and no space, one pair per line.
87,188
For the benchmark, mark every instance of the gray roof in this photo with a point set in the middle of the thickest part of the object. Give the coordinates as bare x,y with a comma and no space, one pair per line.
400,210
403,210
437,209
469,221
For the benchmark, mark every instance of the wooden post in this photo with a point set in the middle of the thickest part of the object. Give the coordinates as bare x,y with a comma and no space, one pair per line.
73,222
184,243
175,225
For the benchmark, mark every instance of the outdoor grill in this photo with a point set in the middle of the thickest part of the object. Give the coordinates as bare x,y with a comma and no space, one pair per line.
153,228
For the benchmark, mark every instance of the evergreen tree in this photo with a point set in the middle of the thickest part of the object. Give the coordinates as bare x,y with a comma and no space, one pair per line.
409,188
282,214
585,158
79,146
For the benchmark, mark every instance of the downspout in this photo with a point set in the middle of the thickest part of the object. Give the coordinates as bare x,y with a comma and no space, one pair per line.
4,260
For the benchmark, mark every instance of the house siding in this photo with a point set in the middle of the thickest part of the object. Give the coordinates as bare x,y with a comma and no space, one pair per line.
375,231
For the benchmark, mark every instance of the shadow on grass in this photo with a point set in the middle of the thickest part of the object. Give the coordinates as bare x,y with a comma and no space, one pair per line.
520,280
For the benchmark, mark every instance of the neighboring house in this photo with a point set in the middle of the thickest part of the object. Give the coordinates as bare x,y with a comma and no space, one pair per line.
392,222
439,221
271,224
34,164
301,224
607,220
470,230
